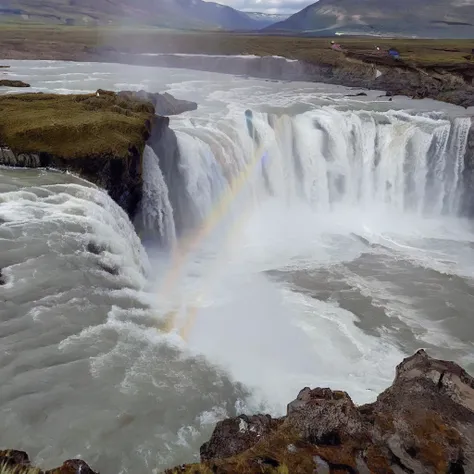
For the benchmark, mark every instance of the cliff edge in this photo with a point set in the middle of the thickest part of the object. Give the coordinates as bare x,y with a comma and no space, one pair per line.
98,136
422,424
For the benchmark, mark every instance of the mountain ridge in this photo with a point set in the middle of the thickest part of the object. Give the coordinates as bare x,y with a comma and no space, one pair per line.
437,18
174,14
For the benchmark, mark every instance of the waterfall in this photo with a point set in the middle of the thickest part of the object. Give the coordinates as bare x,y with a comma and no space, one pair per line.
155,216
323,159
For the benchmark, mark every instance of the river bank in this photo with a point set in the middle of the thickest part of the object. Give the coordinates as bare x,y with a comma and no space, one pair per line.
437,69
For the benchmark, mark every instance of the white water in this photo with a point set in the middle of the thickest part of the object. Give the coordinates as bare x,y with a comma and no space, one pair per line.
280,293
327,160
156,213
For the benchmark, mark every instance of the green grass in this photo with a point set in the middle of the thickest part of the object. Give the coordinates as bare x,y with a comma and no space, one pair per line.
72,126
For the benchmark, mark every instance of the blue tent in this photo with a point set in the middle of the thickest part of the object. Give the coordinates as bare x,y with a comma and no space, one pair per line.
394,53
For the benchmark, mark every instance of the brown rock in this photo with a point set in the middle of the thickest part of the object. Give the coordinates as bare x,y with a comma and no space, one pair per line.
12,458
72,466
422,424
323,417
426,418
236,435
165,104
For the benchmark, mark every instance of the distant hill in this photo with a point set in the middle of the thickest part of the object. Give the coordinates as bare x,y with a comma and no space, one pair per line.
266,19
436,18
186,14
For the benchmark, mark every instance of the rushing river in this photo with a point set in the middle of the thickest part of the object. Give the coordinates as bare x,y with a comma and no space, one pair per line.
319,253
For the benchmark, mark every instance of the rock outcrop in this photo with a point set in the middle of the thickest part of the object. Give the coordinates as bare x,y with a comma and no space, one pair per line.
422,424
165,104
18,462
100,137
9,83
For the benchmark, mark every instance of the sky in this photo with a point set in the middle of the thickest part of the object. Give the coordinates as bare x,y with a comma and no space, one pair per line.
268,6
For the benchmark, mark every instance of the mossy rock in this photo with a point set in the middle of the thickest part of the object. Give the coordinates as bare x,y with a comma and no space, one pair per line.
73,126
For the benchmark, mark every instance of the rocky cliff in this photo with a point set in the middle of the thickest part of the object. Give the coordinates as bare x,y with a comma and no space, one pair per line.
422,424
98,136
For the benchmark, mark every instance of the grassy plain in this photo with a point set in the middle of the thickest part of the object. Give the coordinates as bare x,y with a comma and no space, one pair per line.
80,43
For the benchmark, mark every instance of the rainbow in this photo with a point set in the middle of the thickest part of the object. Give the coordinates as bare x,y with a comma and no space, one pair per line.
189,244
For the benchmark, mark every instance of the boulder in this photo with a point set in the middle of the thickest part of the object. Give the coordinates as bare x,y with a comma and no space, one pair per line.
323,417
235,435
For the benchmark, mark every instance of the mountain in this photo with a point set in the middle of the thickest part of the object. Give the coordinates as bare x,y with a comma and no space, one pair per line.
437,18
163,13
266,19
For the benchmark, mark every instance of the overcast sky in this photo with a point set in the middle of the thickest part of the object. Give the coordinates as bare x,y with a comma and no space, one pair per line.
268,6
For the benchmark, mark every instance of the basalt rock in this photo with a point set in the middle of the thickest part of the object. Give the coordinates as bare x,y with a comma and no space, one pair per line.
422,424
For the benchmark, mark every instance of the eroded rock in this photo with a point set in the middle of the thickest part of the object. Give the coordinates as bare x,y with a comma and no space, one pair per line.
323,417
236,435
422,424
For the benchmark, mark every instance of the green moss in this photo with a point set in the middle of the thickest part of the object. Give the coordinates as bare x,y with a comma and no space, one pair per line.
71,126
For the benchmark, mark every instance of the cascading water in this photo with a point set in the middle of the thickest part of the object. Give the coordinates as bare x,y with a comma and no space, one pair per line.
155,216
324,159
320,252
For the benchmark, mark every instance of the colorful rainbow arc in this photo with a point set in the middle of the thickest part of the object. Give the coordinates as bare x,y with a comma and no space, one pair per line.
191,243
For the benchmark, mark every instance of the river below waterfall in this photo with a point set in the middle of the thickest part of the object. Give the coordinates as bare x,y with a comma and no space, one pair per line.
315,244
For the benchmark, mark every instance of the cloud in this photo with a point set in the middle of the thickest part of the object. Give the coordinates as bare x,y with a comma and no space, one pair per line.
268,6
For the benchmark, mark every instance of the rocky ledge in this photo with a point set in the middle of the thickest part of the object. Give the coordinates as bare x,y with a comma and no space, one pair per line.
9,83
422,424
100,136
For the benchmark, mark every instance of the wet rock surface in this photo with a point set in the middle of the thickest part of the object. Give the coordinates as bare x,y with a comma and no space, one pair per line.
422,424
